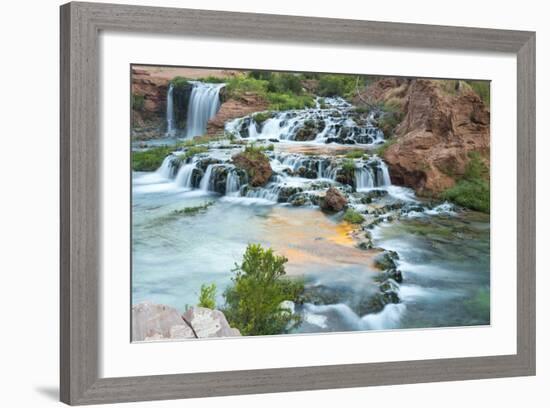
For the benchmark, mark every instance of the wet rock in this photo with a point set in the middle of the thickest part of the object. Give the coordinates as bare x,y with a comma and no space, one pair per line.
333,201
386,260
286,192
256,166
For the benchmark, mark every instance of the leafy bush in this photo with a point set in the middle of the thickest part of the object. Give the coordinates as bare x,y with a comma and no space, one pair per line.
265,75
286,101
261,117
253,301
355,154
483,89
285,83
138,102
240,84
338,85
353,217
193,150
473,190
207,297
179,82
212,80
348,166
151,159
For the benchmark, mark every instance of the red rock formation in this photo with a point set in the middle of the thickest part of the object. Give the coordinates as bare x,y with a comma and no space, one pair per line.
333,201
441,126
256,166
235,108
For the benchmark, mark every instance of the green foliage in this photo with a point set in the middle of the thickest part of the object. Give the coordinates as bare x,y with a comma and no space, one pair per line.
473,190
284,83
355,154
253,301
479,306
483,89
193,210
353,217
179,82
392,115
212,79
261,117
240,84
138,102
151,159
265,75
193,150
338,85
380,151
348,166
207,297
287,101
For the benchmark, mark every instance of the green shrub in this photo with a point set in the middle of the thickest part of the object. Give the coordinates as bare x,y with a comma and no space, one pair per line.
212,80
179,82
348,166
253,301
261,117
353,217
207,297
285,83
265,75
483,89
151,159
240,84
338,85
138,102
381,150
193,150
473,190
355,154
286,101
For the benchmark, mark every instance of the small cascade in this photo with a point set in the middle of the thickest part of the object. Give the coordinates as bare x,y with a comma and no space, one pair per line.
363,179
166,169
170,121
233,183
184,178
385,178
335,122
204,103
205,181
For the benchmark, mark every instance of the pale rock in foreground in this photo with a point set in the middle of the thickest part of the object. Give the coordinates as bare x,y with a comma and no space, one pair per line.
152,322
209,323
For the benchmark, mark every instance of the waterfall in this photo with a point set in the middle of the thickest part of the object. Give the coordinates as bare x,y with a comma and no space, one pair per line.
170,122
204,103
386,180
184,177
205,181
363,179
233,183
165,170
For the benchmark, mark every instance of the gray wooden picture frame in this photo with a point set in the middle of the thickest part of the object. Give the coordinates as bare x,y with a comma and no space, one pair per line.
81,24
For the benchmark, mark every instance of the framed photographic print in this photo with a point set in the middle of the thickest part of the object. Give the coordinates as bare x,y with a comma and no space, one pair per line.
259,203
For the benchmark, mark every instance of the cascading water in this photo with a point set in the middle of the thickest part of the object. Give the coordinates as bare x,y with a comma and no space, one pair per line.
233,183
204,103
184,177
170,121
335,122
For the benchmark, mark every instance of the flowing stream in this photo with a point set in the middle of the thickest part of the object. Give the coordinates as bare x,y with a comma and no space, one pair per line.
443,251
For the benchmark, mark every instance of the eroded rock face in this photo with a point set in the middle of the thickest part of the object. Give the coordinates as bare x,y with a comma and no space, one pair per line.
235,108
152,321
333,201
439,130
209,323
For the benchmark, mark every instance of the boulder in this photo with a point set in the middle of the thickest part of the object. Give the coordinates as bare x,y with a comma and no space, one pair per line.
256,166
209,323
333,201
152,321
